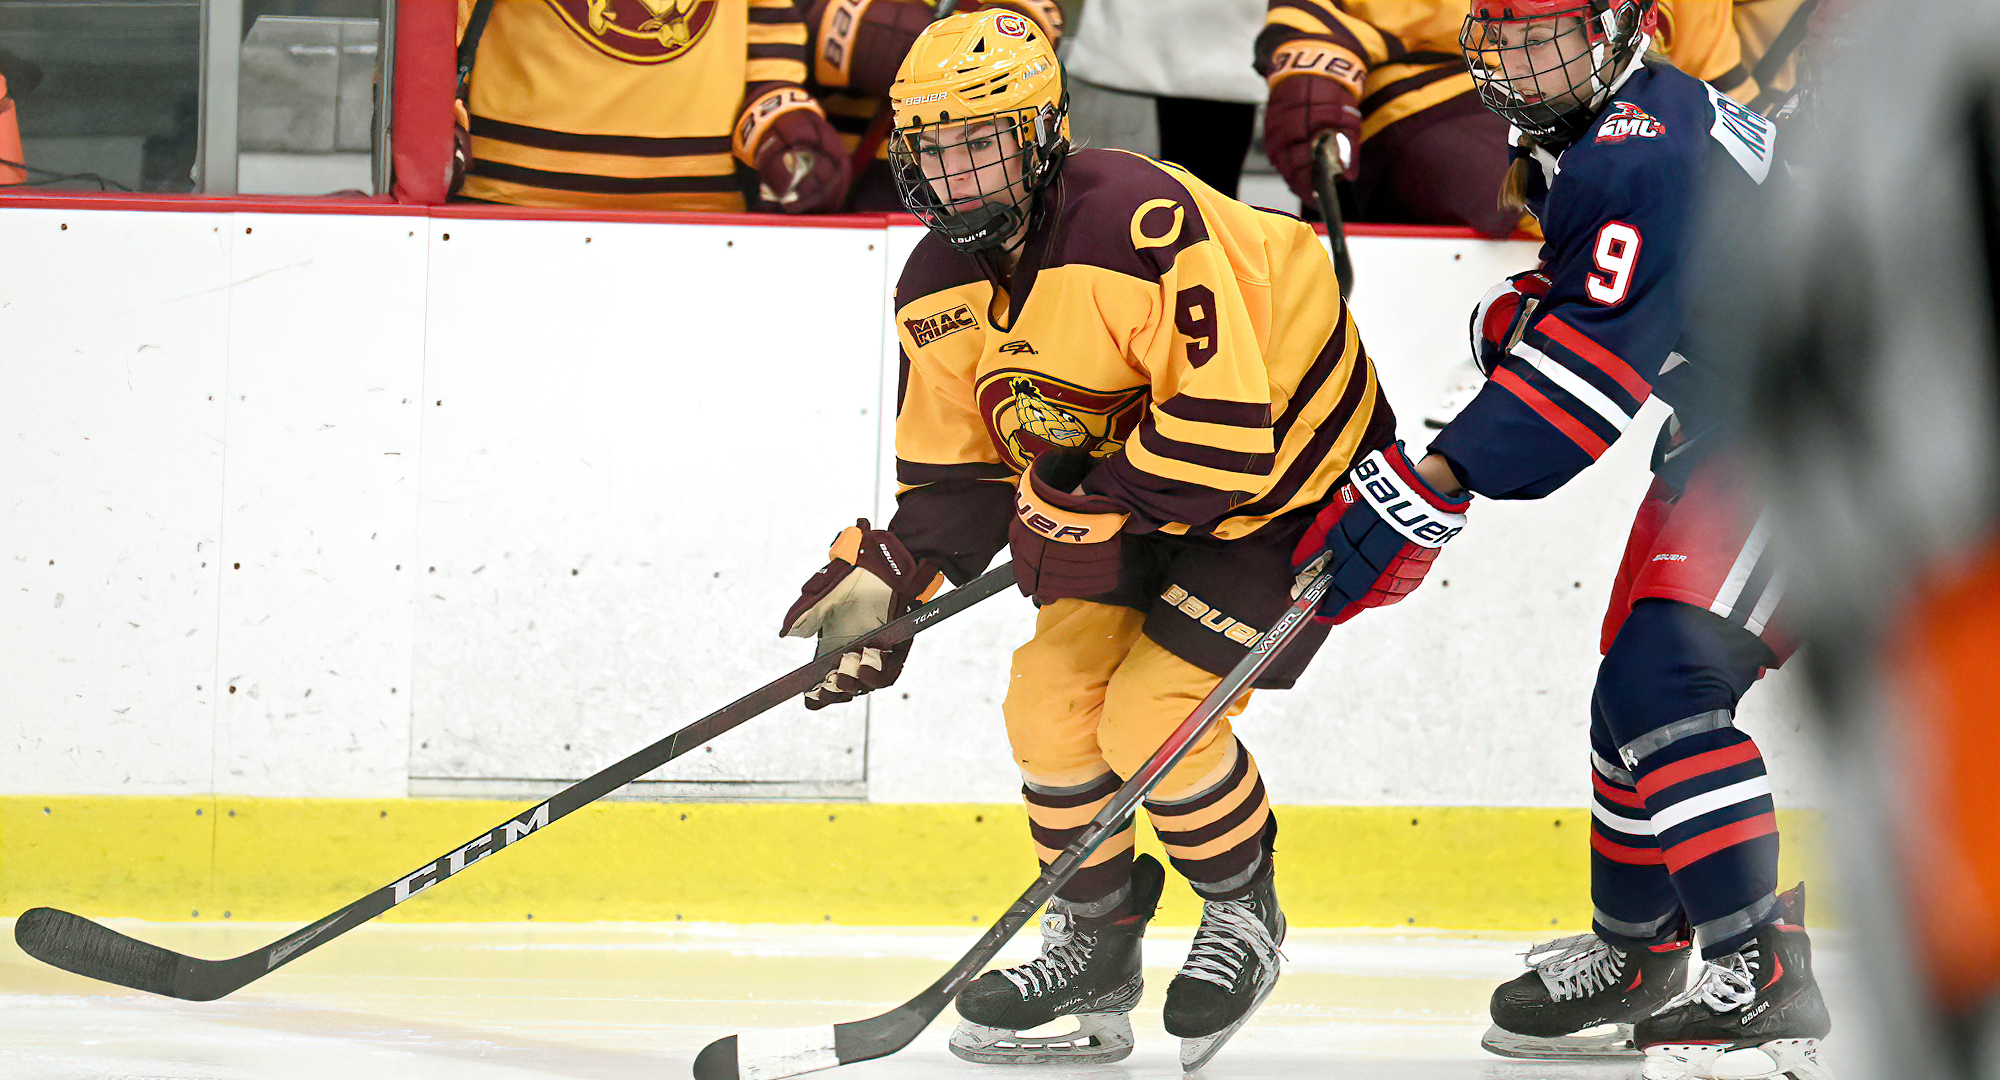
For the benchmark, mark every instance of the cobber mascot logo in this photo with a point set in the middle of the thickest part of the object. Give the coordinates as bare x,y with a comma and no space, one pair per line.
1027,413
639,31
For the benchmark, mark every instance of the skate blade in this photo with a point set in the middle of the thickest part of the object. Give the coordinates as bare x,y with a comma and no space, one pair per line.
1611,1045
1099,1039
1196,1053
1779,1059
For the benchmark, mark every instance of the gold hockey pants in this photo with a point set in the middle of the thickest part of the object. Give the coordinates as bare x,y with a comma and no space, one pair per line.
1090,699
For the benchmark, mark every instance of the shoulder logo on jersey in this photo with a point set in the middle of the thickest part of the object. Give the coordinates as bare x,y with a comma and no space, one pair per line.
638,31
1152,227
1629,121
941,325
1748,137
1019,348
1027,412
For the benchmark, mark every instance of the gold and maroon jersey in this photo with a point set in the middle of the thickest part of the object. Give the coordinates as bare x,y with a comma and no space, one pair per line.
1195,346
1402,57
641,104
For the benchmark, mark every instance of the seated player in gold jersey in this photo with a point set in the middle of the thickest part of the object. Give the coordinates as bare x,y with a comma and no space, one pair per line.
1147,390
688,105
855,48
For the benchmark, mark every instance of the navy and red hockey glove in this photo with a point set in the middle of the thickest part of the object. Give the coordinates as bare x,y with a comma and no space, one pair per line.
870,580
1380,535
1065,542
1502,315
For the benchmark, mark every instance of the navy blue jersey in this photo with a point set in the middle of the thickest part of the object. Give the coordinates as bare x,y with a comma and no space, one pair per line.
1624,316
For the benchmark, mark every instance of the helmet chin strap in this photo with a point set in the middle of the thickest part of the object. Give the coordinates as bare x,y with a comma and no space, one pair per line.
1601,91
987,227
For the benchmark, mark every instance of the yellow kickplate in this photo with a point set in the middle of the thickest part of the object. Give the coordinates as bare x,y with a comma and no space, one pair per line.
1501,868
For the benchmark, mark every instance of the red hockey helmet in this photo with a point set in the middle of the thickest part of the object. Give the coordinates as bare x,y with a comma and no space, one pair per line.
1548,66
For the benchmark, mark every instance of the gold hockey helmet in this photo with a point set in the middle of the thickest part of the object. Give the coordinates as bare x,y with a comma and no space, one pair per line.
982,124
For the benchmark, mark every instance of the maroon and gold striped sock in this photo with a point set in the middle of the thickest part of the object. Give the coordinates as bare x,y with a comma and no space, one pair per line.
1216,837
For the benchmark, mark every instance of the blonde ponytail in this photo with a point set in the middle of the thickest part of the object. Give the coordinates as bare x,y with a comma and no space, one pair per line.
1514,187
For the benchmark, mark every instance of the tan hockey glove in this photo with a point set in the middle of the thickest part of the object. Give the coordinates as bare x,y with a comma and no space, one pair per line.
871,579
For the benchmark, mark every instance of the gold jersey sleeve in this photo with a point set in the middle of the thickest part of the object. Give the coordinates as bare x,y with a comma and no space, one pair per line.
1197,347
591,103
1722,43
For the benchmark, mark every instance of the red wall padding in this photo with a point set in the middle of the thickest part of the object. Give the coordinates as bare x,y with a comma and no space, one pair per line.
426,81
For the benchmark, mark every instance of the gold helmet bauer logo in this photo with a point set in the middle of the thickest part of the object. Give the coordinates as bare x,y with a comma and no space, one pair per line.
982,124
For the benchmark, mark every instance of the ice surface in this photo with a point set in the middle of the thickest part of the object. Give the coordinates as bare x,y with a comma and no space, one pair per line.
504,1001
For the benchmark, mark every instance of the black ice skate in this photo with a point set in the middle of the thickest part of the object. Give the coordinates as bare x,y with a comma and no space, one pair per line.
1230,970
1089,970
1755,1014
1577,984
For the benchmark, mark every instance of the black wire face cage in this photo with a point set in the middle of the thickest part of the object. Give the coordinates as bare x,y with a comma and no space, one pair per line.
999,196
1522,67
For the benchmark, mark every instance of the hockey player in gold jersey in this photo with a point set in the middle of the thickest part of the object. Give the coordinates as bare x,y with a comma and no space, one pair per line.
1146,390
855,48
645,105
1388,76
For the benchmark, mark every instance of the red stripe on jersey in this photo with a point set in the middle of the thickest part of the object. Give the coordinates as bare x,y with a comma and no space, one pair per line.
1616,794
1571,338
1619,853
1553,413
1701,847
1713,761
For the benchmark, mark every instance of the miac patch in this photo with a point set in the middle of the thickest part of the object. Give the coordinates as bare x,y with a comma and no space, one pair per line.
943,324
638,31
1027,412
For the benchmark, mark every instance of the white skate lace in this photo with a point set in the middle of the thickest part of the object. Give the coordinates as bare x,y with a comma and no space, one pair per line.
1064,953
1230,934
1580,965
1724,985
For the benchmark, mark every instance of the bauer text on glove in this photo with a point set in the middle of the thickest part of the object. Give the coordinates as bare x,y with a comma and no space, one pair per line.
1315,90
1065,542
1380,533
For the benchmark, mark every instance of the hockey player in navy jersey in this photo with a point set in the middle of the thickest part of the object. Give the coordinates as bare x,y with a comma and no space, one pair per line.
1616,152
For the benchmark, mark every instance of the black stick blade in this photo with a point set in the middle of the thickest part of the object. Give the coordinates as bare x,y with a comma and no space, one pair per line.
767,1055
76,944
717,1060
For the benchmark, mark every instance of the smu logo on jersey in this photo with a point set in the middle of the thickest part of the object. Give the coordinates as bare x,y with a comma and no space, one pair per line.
1629,121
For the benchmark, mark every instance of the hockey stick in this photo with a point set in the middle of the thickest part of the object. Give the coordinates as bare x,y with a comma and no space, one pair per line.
767,1055
1326,170
77,944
